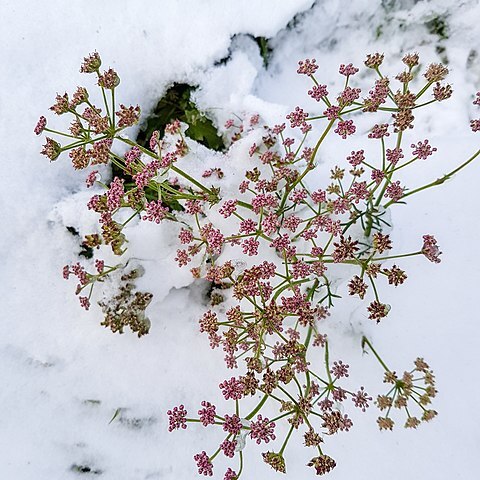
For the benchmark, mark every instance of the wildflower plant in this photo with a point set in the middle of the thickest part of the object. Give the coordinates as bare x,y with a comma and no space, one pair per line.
269,308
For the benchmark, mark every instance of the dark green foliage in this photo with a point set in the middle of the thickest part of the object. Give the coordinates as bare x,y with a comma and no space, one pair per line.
438,26
265,49
177,104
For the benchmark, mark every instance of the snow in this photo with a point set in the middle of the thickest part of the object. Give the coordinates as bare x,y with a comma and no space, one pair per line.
64,376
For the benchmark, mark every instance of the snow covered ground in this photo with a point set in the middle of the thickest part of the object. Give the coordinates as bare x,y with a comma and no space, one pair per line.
64,376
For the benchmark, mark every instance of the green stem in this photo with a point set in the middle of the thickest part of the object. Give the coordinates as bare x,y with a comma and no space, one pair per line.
423,90
327,363
396,256
257,408
382,363
190,179
439,181
58,133
286,441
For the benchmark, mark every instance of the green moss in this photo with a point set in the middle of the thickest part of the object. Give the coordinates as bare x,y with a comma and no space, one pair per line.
177,104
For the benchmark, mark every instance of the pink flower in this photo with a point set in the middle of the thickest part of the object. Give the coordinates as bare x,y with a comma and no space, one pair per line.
173,128
356,158
262,429
318,92
250,246
264,200
358,191
205,466
379,131
254,119
109,79
361,399
213,238
66,272
393,156
80,273
377,96
207,414
300,269
339,369
394,191
232,424
154,141
193,207
228,447
291,223
475,125
332,112
345,128
177,418
185,236
228,208
253,149
298,195
232,389
182,258
91,178
297,117
377,176
115,194
348,96
150,170
230,475
84,302
51,149
378,310
91,63
41,124
156,212
348,70
128,116
61,105
430,248
422,150
307,67
248,226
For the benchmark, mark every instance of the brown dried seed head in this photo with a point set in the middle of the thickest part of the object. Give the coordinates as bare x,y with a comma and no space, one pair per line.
410,59
374,60
412,422
385,423
436,72
428,415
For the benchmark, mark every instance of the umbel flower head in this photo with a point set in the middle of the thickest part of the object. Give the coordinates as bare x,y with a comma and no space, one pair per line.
275,460
322,464
91,63
51,149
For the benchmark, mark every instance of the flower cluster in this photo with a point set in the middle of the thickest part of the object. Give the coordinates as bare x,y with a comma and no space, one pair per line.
414,389
268,312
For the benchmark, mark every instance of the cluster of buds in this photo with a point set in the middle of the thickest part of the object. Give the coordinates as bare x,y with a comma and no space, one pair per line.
269,317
